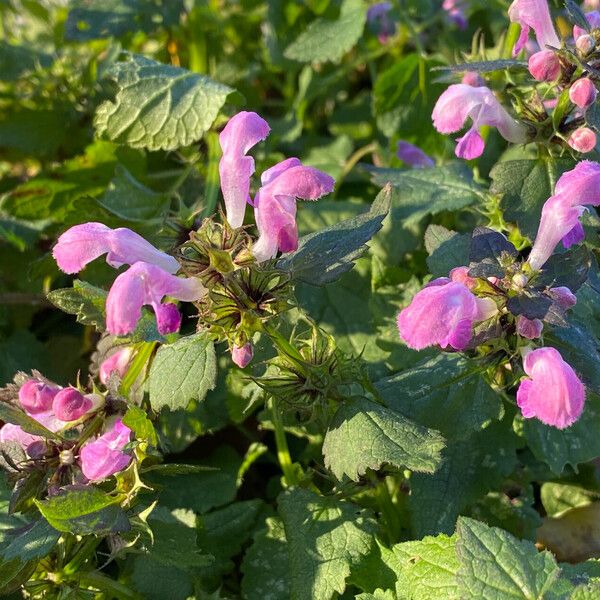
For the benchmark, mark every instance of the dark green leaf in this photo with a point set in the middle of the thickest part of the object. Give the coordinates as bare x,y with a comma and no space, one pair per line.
485,66
84,300
488,252
34,543
136,419
12,414
576,15
447,249
569,269
530,304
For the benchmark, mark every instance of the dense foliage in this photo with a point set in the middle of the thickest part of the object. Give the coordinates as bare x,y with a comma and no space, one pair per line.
268,331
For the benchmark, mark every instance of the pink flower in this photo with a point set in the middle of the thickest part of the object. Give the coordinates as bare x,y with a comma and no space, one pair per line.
585,44
36,396
70,404
242,355
529,328
117,362
104,456
553,393
583,92
461,275
146,284
414,156
33,445
593,18
533,14
380,22
560,214
563,296
442,313
473,79
583,140
83,243
243,131
275,205
544,65
460,102
455,9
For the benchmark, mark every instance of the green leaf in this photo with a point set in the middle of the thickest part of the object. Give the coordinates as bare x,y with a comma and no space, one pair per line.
590,591
471,468
576,15
558,498
85,301
496,566
157,581
365,435
326,536
571,446
427,569
525,185
323,256
117,17
12,414
592,116
422,192
82,510
328,40
266,565
183,371
137,420
485,66
157,106
447,249
17,60
129,199
34,543
447,393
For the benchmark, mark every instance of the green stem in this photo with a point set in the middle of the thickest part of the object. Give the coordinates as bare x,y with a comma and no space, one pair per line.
140,360
351,163
112,588
282,344
283,452
212,185
389,511
512,35
86,548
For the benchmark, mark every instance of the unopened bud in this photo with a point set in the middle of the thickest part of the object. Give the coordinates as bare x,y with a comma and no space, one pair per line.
36,396
70,404
66,457
473,79
544,65
520,280
585,44
242,355
582,140
583,92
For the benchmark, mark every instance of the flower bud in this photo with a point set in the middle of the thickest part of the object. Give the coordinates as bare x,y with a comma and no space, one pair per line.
117,362
66,458
461,275
585,44
473,79
529,328
544,65
583,92
563,296
36,396
242,355
582,140
70,404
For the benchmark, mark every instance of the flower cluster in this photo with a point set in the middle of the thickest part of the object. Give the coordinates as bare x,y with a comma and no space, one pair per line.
61,410
567,66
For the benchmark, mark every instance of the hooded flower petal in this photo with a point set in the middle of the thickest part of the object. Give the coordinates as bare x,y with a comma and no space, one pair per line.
581,185
242,132
104,457
460,102
439,315
553,393
533,14
13,433
83,243
529,328
117,362
146,284
413,156
275,205
36,396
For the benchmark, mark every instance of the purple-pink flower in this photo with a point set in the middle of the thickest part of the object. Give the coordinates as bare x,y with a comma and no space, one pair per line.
544,65
460,102
443,314
529,328
36,396
243,131
70,404
561,212
275,205
146,284
552,392
33,445
380,22
583,140
83,243
242,355
104,456
583,92
593,18
455,10
533,14
413,156
117,362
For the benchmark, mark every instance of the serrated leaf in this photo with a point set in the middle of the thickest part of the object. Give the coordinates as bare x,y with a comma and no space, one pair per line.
137,420
447,249
496,566
157,106
129,199
427,569
485,66
525,185
365,435
85,301
328,40
576,15
422,192
82,510
592,116
266,564
487,252
14,415
569,269
183,371
325,537
34,543
323,256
